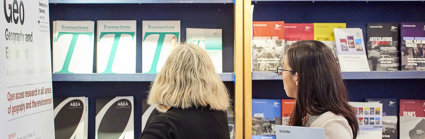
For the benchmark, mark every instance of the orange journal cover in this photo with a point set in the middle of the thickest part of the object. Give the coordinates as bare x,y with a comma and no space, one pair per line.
288,106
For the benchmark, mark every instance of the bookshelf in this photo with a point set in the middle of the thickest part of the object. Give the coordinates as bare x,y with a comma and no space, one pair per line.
226,77
224,14
356,13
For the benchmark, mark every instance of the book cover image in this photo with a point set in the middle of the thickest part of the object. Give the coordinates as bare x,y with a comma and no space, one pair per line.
71,117
266,113
412,46
211,41
412,119
73,45
297,32
369,116
351,51
324,32
383,46
158,40
389,116
231,121
116,46
288,106
267,45
148,112
114,118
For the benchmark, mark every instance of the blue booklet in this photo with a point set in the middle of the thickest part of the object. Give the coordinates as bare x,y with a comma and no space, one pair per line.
266,113
296,132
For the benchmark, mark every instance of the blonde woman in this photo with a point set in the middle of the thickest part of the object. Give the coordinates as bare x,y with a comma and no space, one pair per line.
191,97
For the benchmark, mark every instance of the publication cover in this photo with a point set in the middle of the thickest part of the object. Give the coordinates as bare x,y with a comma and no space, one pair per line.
116,46
413,46
73,45
382,46
159,39
369,116
266,113
296,132
324,32
297,32
148,112
231,121
389,117
211,41
114,118
412,119
288,106
351,51
267,45
71,117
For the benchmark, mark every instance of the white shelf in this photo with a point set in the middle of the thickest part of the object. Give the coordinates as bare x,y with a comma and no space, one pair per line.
333,0
354,75
135,1
138,77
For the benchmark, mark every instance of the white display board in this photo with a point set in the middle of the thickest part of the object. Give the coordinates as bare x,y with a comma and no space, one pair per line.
26,103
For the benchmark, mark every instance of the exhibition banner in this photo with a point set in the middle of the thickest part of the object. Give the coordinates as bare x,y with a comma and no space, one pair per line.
26,103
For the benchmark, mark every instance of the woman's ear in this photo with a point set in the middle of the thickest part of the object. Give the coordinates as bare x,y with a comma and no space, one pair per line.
295,78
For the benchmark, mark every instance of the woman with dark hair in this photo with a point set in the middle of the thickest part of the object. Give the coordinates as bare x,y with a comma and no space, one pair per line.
312,76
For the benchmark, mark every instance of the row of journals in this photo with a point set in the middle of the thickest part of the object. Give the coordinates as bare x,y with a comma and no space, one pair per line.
73,45
114,117
387,44
377,118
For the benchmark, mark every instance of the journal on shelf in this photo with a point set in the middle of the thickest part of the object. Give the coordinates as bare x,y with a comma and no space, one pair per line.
383,46
159,38
267,45
389,116
351,51
73,45
71,117
211,41
413,46
115,117
116,46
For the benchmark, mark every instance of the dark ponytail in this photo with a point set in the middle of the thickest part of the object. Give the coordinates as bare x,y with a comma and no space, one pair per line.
320,84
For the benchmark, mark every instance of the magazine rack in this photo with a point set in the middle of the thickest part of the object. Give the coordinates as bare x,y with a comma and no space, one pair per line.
224,14
356,13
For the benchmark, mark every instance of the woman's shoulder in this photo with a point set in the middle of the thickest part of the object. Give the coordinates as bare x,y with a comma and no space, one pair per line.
336,126
329,117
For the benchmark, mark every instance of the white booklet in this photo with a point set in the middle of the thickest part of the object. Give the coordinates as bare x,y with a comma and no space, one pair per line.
350,49
295,132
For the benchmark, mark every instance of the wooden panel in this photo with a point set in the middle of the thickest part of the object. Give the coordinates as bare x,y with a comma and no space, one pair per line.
238,60
247,69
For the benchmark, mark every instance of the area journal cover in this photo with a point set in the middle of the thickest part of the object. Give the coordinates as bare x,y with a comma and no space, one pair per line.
114,118
159,38
71,117
73,45
116,46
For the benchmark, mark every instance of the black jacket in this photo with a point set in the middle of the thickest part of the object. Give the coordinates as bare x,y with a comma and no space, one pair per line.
192,123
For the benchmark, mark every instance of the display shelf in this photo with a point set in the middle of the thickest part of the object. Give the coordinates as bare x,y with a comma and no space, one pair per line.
335,0
134,1
354,75
138,77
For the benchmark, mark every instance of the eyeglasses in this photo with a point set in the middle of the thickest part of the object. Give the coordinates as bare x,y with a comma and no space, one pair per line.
280,70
